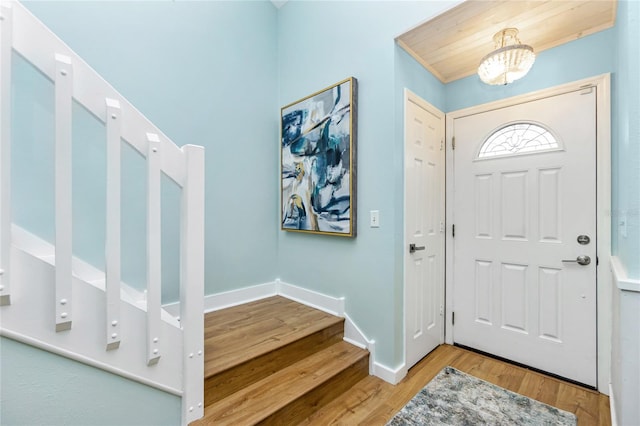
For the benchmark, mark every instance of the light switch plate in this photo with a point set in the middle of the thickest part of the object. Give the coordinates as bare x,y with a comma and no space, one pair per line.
374,220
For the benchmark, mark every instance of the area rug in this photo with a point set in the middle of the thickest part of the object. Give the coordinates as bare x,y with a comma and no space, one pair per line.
456,398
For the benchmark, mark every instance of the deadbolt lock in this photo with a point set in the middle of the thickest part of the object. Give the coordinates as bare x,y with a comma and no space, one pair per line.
584,239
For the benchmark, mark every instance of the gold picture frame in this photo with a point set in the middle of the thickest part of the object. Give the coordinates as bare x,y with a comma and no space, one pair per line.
318,162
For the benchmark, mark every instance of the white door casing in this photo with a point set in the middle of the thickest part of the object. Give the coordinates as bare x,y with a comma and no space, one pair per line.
424,228
517,218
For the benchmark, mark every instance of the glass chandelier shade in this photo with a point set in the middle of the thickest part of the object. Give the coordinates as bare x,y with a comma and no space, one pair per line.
510,61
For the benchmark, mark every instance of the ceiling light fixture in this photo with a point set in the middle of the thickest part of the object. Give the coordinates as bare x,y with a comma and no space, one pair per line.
510,61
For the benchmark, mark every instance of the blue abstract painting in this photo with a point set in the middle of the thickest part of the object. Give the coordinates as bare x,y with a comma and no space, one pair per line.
318,164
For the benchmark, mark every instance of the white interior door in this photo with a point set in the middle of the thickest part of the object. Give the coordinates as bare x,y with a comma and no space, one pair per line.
424,228
519,211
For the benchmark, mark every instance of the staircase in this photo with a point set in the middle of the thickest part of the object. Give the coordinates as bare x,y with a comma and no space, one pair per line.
275,361
50,297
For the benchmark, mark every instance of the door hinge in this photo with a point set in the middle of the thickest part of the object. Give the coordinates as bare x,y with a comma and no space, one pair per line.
441,144
586,89
453,230
453,318
453,142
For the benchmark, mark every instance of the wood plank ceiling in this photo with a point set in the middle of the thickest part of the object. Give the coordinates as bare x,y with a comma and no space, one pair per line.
452,44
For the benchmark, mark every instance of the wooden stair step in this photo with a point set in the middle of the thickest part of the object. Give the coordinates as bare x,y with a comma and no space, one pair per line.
360,405
295,392
247,343
238,334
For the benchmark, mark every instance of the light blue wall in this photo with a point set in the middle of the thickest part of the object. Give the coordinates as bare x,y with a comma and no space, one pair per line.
626,153
41,388
321,43
625,356
204,73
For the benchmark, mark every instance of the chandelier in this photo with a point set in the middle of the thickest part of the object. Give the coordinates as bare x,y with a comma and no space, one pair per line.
510,61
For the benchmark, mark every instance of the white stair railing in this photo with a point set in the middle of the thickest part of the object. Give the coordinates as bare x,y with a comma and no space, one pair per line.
5,153
113,271
63,83
22,33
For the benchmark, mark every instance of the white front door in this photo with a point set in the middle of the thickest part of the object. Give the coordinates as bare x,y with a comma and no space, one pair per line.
424,228
524,212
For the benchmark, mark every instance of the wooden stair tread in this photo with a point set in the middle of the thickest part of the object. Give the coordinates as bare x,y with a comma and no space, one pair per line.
354,406
236,335
257,402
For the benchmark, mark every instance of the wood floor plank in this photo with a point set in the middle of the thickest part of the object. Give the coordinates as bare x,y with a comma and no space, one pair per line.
543,389
583,403
604,412
590,407
354,405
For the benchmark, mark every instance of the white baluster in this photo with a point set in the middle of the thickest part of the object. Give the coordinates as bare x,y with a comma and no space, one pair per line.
192,283
113,243
154,252
6,35
63,206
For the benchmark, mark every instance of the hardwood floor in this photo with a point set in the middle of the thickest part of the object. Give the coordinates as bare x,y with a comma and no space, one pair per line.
373,401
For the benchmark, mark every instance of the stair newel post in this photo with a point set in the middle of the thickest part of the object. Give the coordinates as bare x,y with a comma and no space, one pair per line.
63,187
113,225
154,251
192,283
6,35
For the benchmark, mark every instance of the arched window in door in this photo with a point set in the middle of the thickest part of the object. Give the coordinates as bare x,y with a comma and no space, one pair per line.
518,138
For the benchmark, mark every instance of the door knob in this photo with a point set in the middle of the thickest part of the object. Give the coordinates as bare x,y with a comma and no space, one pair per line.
580,260
413,248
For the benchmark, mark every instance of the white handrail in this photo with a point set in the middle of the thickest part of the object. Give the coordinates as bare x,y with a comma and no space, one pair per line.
22,33
36,43
6,33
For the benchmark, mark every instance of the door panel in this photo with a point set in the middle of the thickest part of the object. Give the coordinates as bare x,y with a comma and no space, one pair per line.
424,213
517,218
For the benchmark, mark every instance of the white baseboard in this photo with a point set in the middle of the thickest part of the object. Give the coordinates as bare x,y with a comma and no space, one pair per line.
313,299
215,302
622,280
389,375
355,336
612,407
228,299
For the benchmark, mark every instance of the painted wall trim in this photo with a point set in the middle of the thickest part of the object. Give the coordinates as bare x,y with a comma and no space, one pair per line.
602,84
622,280
612,406
28,340
390,375
328,304
355,336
